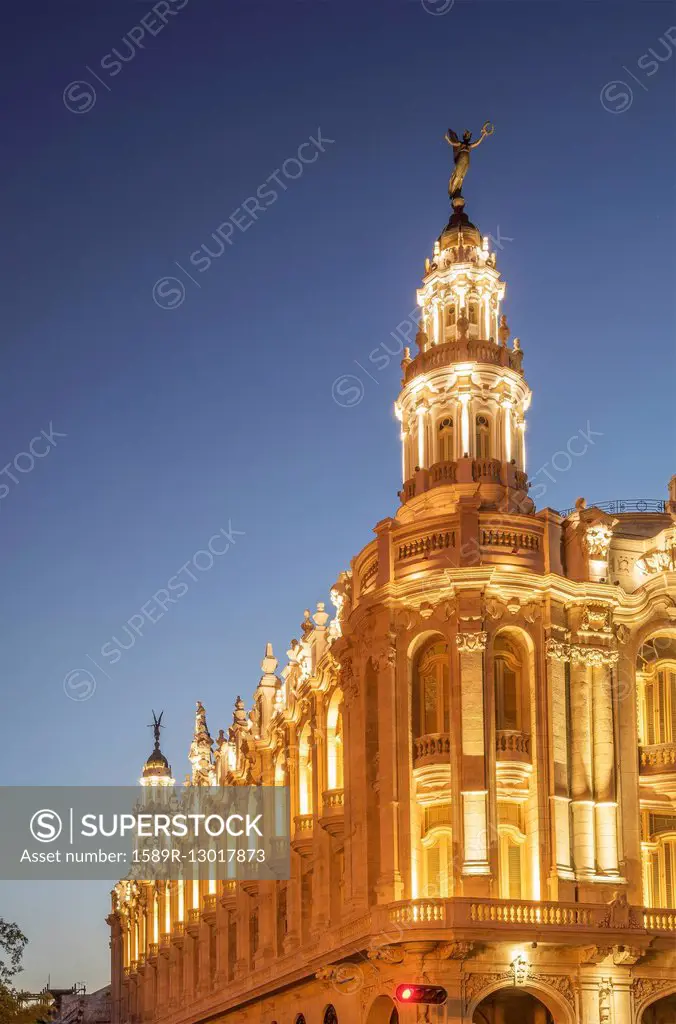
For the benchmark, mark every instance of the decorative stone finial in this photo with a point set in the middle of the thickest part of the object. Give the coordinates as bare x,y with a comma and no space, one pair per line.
269,662
307,625
503,330
321,617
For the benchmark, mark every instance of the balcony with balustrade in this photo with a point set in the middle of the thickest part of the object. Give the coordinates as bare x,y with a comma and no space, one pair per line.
333,812
303,834
433,748
513,758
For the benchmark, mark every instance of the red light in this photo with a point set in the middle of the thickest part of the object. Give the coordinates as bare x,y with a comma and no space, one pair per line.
430,994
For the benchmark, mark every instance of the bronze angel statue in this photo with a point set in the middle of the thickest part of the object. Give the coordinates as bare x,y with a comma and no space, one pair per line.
461,151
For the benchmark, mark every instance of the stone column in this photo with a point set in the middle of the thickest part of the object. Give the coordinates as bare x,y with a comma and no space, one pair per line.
581,773
356,886
293,889
203,938
221,942
473,788
321,842
604,772
557,655
390,883
267,923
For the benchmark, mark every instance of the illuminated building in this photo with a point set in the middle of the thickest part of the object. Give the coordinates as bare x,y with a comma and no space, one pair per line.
480,745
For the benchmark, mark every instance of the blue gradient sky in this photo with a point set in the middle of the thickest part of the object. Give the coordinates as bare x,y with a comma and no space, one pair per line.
181,421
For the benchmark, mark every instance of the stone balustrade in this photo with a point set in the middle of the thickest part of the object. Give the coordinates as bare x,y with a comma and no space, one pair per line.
333,812
466,916
303,834
433,748
657,757
511,745
480,350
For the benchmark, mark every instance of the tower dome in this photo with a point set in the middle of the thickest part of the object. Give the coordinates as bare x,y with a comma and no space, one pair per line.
464,396
156,770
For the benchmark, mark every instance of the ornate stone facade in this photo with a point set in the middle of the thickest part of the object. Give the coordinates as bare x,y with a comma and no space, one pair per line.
480,745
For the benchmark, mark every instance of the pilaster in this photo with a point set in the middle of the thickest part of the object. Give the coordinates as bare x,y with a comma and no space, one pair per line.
474,791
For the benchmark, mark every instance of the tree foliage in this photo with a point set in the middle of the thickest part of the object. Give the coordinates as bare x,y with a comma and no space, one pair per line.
13,1009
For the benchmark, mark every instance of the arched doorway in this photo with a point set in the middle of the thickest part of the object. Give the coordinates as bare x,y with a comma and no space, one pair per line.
383,1011
512,1006
661,1012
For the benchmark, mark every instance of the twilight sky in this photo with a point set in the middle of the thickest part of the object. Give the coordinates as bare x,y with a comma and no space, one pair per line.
171,422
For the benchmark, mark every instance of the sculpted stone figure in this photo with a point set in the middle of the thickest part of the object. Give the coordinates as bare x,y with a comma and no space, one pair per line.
461,151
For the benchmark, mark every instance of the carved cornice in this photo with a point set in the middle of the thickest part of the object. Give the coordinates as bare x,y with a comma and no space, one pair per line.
454,950
556,650
582,655
470,643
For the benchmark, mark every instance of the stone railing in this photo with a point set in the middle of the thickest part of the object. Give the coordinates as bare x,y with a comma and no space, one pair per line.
423,547
333,812
659,920
303,834
433,748
367,579
465,916
658,757
334,799
517,540
486,469
512,746
443,473
479,349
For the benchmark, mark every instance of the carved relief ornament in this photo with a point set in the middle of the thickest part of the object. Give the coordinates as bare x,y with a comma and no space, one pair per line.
471,643
583,655
557,650
645,990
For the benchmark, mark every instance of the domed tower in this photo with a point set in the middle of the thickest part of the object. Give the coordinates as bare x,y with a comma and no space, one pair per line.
156,770
464,396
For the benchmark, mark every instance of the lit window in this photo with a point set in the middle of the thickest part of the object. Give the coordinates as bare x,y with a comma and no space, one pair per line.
483,446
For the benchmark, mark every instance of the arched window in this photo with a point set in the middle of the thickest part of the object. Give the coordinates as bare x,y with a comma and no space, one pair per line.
446,446
509,677
305,772
483,438
450,315
300,1019
431,713
438,864
473,313
334,743
662,871
330,1015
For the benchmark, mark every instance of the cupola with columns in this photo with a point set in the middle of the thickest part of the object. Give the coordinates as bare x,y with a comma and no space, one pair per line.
156,770
464,397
